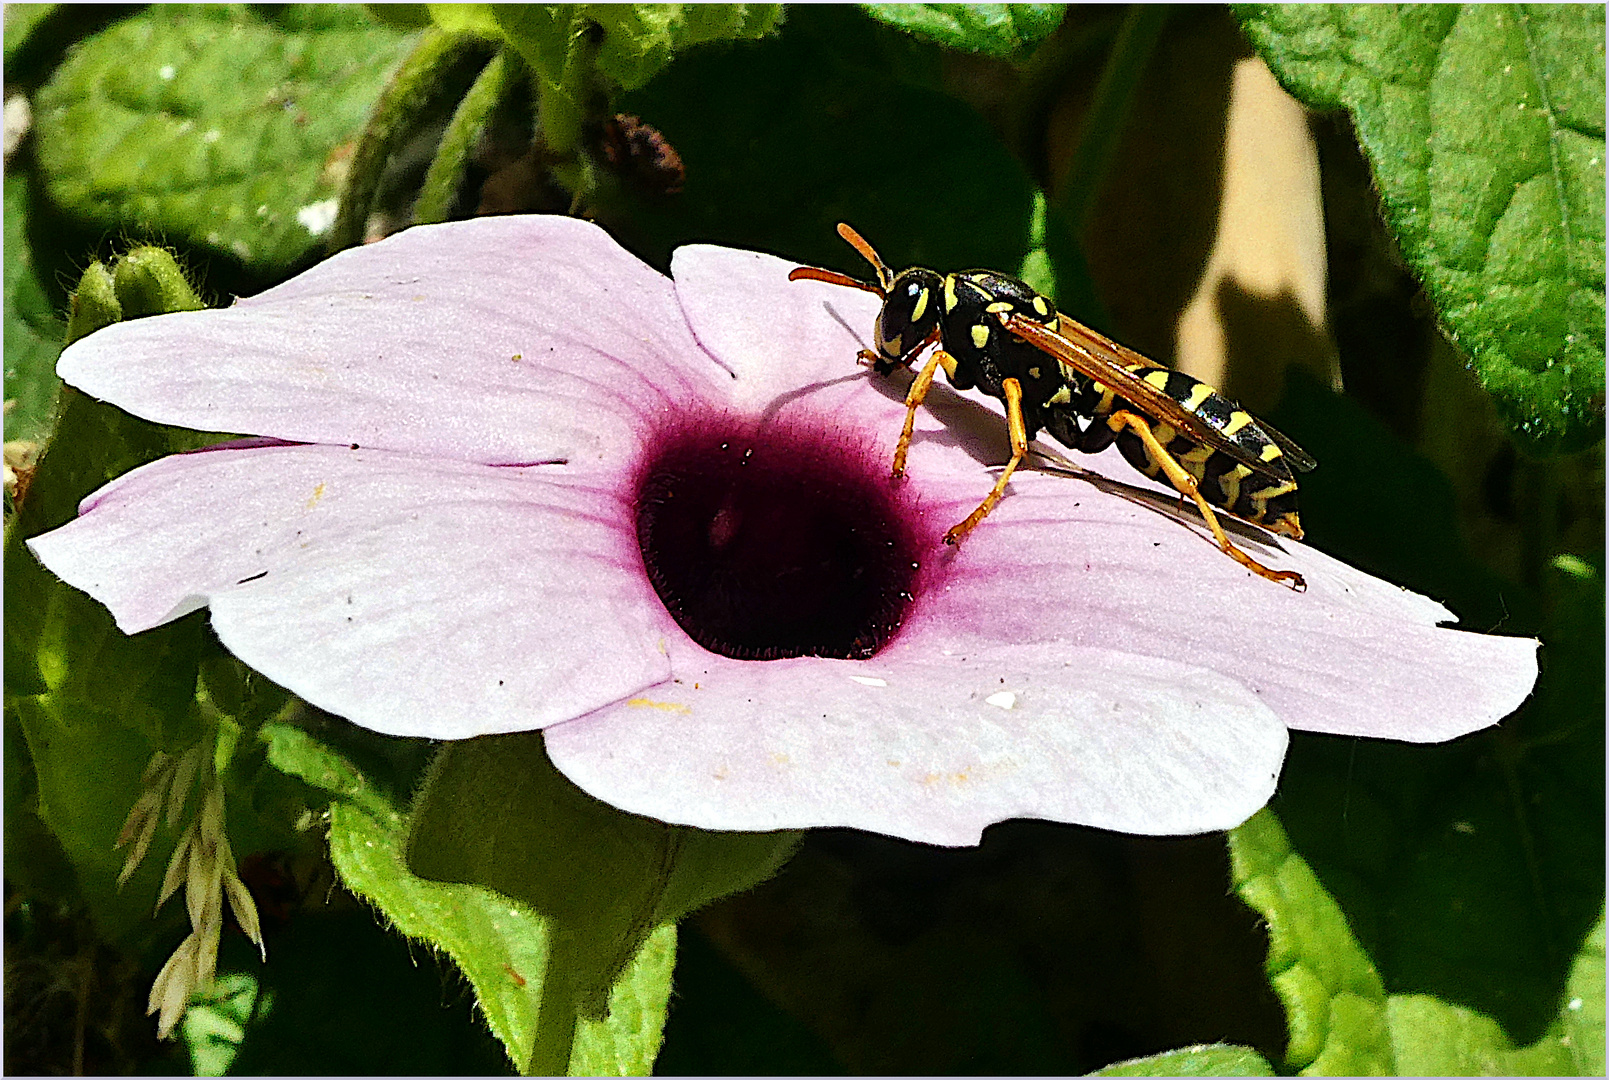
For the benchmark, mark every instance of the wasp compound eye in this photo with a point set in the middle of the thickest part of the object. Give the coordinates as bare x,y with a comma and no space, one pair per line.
909,315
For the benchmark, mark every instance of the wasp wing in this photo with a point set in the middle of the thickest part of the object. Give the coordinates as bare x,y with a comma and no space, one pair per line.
1298,458
1104,360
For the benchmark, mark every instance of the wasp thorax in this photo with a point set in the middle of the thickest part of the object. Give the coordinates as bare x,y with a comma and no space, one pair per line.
910,312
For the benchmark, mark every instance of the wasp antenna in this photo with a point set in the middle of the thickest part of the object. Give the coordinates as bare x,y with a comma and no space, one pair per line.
885,277
833,277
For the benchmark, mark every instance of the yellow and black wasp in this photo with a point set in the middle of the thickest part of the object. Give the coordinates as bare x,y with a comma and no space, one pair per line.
994,332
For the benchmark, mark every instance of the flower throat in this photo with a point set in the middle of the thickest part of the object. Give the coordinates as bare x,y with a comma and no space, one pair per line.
765,545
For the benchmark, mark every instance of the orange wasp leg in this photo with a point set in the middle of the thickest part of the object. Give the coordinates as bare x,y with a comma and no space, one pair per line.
913,401
1019,449
1187,486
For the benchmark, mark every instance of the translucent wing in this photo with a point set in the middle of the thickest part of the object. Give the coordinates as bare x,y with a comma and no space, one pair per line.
1104,360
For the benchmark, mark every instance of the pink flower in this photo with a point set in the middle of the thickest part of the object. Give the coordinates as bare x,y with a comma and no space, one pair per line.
489,449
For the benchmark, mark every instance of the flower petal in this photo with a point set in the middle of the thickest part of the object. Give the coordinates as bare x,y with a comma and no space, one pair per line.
413,596
932,747
1061,559
507,340
776,336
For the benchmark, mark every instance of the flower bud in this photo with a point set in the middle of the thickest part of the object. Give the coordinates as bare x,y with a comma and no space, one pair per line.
149,281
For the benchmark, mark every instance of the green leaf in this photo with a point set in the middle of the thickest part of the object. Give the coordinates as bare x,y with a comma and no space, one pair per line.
495,813
540,33
1435,1038
634,43
504,946
626,1041
1583,1012
85,817
297,753
1218,1060
500,947
640,40
213,127
33,331
406,16
1334,999
1001,30
36,864
1341,1019
576,50
214,1026
91,702
21,19
464,18
1484,127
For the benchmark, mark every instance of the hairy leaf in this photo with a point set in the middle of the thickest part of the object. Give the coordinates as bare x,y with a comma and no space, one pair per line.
215,127
33,331
1001,30
1217,1060
515,954
1484,126
91,702
495,813
1342,1020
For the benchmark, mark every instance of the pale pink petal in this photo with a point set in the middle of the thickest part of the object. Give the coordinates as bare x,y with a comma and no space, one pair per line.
499,340
932,745
414,596
776,336
1061,561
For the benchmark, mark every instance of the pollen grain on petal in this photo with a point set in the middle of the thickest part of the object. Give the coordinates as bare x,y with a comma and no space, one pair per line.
667,706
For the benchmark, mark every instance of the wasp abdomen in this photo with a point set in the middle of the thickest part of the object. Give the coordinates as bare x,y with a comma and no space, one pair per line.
1266,499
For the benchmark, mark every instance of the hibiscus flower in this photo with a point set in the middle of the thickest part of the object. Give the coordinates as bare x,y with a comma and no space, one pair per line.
507,477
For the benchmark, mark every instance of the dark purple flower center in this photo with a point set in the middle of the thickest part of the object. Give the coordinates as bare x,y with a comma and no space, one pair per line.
767,543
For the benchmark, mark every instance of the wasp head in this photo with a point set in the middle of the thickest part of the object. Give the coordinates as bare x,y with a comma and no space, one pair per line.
910,314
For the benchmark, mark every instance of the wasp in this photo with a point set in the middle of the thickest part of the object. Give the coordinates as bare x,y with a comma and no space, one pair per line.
993,332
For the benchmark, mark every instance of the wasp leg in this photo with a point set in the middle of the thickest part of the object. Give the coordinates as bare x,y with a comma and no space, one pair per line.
1187,486
913,401
1019,450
